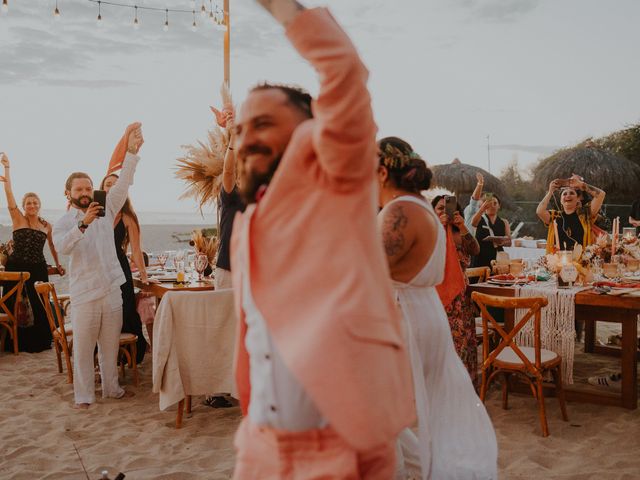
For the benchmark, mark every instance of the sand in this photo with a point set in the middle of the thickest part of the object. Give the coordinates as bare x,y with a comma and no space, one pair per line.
44,437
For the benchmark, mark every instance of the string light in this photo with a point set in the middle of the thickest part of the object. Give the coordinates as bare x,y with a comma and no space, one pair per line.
211,12
136,23
56,12
166,20
5,6
203,10
194,27
99,21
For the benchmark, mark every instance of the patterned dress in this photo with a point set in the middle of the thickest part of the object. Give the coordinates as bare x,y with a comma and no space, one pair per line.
460,312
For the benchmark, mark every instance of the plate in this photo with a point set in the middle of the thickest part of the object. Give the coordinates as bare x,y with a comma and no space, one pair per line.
165,278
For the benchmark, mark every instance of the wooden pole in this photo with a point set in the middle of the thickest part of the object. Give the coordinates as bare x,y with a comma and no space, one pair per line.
227,44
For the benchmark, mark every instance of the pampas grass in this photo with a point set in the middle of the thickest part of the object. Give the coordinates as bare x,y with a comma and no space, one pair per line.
201,166
206,245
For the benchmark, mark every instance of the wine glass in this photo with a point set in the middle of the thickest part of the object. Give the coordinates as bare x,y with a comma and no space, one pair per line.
202,261
162,259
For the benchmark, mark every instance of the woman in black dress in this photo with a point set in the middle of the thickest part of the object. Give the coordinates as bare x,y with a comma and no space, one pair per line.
30,233
488,224
127,233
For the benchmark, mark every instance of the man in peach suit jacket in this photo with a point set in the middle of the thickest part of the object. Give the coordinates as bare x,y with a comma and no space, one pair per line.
322,370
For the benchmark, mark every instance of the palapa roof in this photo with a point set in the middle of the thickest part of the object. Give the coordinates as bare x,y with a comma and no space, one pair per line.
617,176
460,178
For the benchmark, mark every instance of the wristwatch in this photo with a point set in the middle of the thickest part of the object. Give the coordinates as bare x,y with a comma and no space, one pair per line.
82,226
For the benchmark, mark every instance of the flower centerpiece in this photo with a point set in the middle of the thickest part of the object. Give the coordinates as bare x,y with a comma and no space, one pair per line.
569,267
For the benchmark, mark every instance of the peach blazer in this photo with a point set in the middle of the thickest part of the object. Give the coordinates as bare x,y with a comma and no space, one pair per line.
319,275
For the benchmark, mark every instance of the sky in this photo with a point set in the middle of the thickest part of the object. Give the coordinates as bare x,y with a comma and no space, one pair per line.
533,75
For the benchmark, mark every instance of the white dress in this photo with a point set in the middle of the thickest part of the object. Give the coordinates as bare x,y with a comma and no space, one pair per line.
455,440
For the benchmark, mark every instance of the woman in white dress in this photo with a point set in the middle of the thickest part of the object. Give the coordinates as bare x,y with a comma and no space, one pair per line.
455,438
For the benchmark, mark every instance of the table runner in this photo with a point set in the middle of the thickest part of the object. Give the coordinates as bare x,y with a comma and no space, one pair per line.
557,322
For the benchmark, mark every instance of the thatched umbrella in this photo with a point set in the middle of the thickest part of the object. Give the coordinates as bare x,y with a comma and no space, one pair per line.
613,173
460,178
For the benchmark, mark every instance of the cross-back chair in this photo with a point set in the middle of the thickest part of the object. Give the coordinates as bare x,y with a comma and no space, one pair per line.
508,358
62,333
8,316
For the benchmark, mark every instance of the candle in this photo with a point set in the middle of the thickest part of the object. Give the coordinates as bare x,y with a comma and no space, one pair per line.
614,237
555,231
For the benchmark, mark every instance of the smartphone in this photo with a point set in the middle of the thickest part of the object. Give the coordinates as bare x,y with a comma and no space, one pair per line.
100,196
450,206
488,196
563,182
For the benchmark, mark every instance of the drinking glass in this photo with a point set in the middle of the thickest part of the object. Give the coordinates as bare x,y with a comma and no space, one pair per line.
162,259
202,261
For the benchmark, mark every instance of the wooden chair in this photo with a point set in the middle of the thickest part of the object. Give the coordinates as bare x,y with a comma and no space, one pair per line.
509,358
8,317
479,275
61,332
128,353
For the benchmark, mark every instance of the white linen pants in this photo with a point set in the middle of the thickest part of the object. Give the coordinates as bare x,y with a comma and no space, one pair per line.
222,279
96,321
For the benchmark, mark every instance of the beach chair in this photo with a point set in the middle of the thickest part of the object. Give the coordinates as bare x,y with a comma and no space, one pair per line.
8,320
61,332
531,363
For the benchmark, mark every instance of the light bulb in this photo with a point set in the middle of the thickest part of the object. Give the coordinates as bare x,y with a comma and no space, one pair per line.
5,6
166,26
194,27
136,23
203,11
56,14
99,20
211,17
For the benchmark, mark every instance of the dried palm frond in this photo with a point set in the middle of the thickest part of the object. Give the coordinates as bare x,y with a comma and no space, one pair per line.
203,244
201,167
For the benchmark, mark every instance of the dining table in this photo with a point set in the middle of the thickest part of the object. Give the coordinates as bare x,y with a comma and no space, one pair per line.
592,307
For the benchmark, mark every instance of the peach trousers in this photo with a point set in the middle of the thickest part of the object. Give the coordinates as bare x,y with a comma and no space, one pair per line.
270,454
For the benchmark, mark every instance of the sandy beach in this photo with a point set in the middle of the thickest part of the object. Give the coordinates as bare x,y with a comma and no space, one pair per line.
44,437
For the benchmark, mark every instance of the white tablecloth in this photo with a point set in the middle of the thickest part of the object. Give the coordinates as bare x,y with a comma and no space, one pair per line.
193,345
525,253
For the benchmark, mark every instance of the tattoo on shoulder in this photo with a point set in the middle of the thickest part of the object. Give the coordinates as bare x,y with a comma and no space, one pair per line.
395,222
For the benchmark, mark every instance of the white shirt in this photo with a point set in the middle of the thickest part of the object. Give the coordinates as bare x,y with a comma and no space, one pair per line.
469,211
277,399
94,268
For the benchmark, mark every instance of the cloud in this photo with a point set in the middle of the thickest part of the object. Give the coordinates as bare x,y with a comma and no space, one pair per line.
501,11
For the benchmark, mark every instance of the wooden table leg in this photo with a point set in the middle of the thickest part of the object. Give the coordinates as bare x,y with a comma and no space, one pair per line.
179,414
589,335
629,364
188,404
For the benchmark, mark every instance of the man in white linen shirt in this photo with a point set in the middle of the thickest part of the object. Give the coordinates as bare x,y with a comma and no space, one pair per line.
95,277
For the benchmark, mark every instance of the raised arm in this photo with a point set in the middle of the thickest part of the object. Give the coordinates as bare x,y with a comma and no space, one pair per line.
118,193
16,215
475,220
344,130
541,209
598,198
229,165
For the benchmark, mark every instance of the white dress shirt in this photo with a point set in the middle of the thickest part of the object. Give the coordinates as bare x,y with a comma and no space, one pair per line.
94,269
277,399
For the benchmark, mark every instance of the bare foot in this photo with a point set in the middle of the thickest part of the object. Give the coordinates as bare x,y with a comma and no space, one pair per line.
82,406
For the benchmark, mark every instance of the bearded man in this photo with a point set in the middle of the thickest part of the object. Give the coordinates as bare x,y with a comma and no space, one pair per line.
95,276
322,370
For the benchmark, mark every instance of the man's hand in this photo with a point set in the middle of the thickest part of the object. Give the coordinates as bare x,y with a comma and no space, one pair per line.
283,11
135,140
91,213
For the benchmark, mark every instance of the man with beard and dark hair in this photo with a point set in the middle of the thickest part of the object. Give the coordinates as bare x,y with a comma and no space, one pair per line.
322,371
95,276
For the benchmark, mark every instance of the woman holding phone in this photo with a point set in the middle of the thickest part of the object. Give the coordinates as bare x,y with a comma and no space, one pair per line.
30,233
460,311
492,231
127,233
576,217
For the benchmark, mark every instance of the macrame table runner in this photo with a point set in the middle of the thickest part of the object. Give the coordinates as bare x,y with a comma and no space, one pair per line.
557,322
